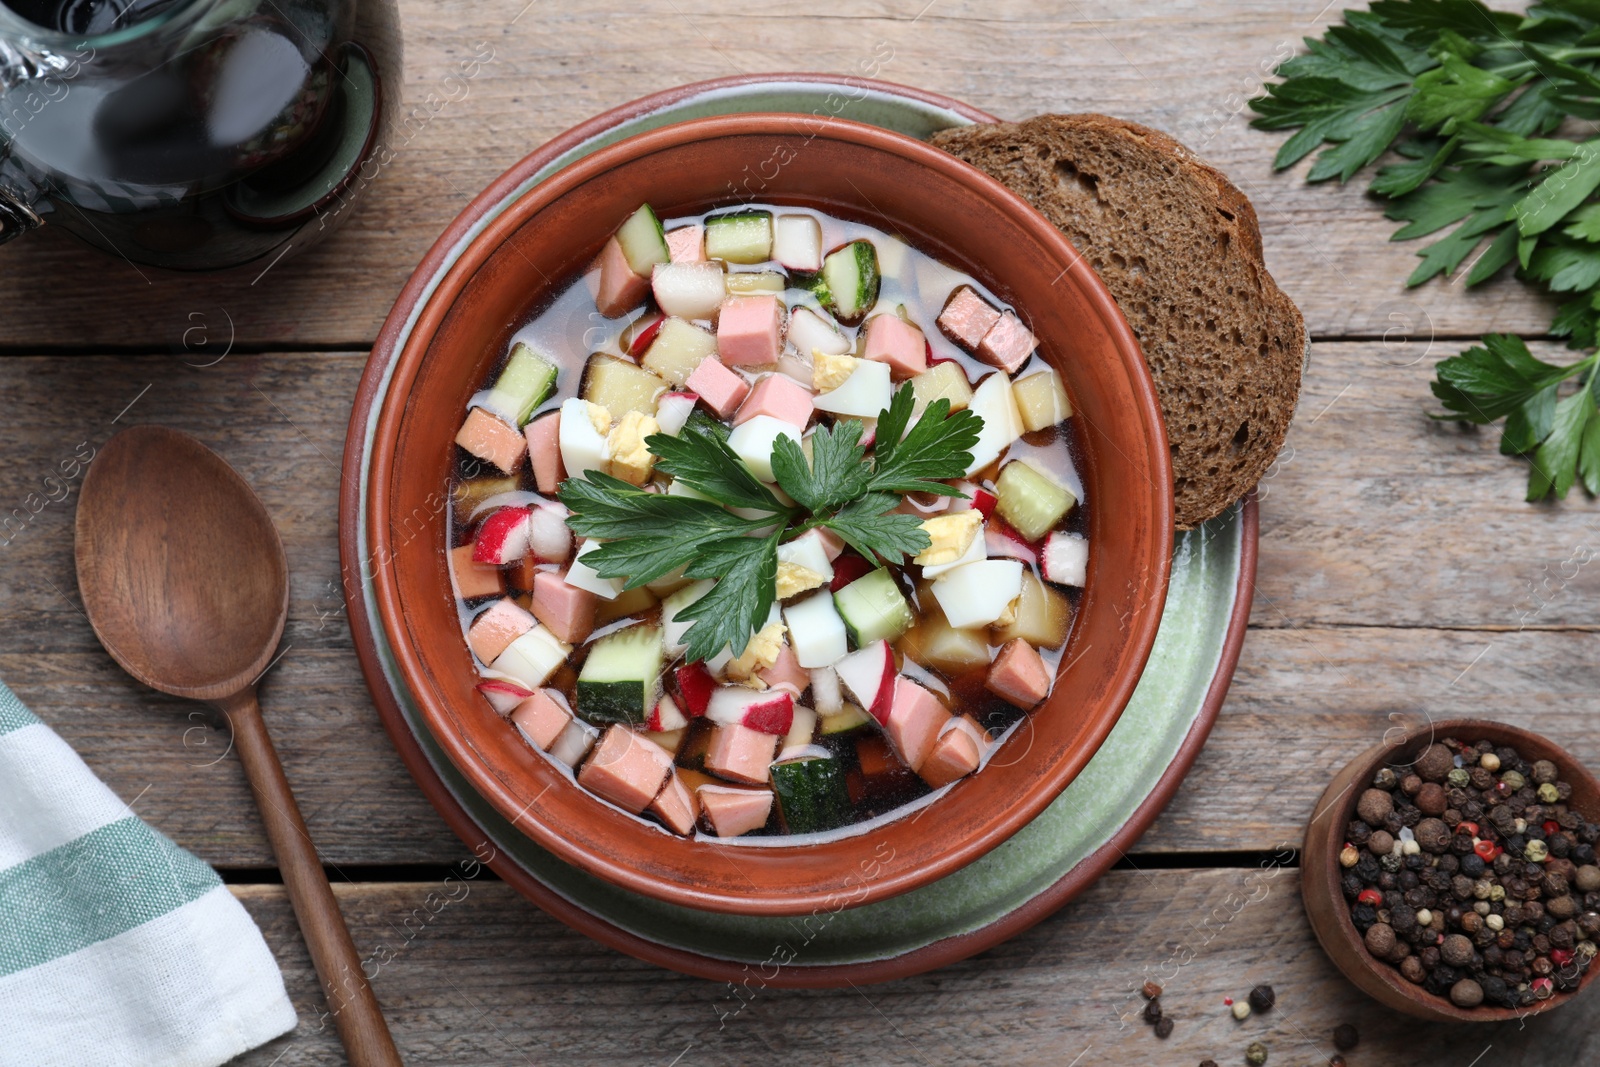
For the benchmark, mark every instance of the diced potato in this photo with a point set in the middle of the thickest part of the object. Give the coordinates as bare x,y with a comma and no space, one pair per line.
620,386
678,348
933,642
627,603
1041,400
469,495
946,380
1043,614
742,283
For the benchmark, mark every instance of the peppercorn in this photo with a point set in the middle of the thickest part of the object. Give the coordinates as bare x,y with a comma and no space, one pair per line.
1164,1027
1241,1010
1208,1063
1536,851
1349,856
1412,970
1489,761
1255,1054
1431,799
1466,994
1434,763
1548,793
1345,1037
1458,777
1263,997
1374,806
1336,1060
1150,991
1588,878
1385,779
1381,843
1513,781
1152,1010
1544,772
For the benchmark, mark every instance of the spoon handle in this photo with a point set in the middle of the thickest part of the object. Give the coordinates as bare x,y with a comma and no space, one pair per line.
350,1000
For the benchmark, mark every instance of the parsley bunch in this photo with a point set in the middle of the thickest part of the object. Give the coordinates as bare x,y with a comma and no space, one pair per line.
1472,100
733,534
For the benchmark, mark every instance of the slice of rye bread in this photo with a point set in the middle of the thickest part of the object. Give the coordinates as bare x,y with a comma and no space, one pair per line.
1179,248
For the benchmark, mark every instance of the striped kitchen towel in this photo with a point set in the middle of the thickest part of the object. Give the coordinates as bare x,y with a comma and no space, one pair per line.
117,947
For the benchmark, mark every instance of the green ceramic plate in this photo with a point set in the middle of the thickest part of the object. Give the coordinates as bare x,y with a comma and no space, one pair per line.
1081,834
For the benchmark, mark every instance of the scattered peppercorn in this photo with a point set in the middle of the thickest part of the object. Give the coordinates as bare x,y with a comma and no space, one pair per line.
1262,998
1241,1010
1164,1027
1255,1054
1336,1060
1152,1010
1468,871
1208,1063
1346,1037
1151,991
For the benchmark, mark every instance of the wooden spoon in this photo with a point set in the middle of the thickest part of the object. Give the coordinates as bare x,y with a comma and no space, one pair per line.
185,583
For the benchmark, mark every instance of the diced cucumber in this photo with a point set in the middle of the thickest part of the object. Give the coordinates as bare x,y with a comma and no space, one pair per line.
643,241
740,237
811,793
620,386
1029,500
679,347
873,608
621,678
526,382
850,281
745,282
843,722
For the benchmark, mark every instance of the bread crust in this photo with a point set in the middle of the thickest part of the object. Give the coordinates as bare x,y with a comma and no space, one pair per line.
1179,247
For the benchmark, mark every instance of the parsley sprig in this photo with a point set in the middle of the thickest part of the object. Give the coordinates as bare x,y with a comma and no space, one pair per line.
1472,100
733,534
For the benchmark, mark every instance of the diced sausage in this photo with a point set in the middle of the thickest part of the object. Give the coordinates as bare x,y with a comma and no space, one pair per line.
542,717
732,811
544,448
967,317
954,756
780,397
676,806
1008,344
492,440
566,609
893,340
1019,675
719,387
915,719
750,331
494,629
786,672
686,244
474,579
619,290
741,754
625,769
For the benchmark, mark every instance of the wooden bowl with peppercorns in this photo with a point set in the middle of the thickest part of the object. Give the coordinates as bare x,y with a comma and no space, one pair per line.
1451,873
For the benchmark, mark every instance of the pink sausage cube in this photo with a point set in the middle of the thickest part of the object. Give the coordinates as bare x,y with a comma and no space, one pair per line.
750,330
676,806
954,756
474,579
1019,675
496,628
684,245
566,609
493,440
626,769
619,290
719,387
732,811
915,719
544,449
542,717
779,396
1008,344
967,317
786,672
741,754
893,340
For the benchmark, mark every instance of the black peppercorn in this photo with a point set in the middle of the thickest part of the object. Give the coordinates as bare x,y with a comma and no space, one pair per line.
1164,1027
1345,1037
1262,997
1152,1010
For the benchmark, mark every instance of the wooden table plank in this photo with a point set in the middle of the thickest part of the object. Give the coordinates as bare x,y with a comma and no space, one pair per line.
487,979
1184,68
1425,526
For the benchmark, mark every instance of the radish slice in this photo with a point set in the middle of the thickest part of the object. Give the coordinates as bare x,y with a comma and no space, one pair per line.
797,242
1066,559
637,337
549,536
771,712
846,569
689,290
696,685
868,676
665,716
809,332
673,410
503,696
503,537
1002,541
825,691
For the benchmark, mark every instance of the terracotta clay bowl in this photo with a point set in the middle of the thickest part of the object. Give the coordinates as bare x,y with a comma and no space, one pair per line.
1320,871
940,205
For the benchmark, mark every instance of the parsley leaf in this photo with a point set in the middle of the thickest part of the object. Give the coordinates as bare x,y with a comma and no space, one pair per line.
702,460
835,474
866,528
1473,100
939,446
746,569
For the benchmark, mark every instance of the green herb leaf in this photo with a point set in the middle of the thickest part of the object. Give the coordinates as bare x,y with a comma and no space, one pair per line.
702,460
1555,464
836,473
938,447
867,528
746,569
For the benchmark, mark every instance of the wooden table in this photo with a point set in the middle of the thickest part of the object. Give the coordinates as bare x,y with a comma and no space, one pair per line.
1401,574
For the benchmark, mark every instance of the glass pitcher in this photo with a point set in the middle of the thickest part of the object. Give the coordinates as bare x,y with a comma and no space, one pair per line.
193,134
